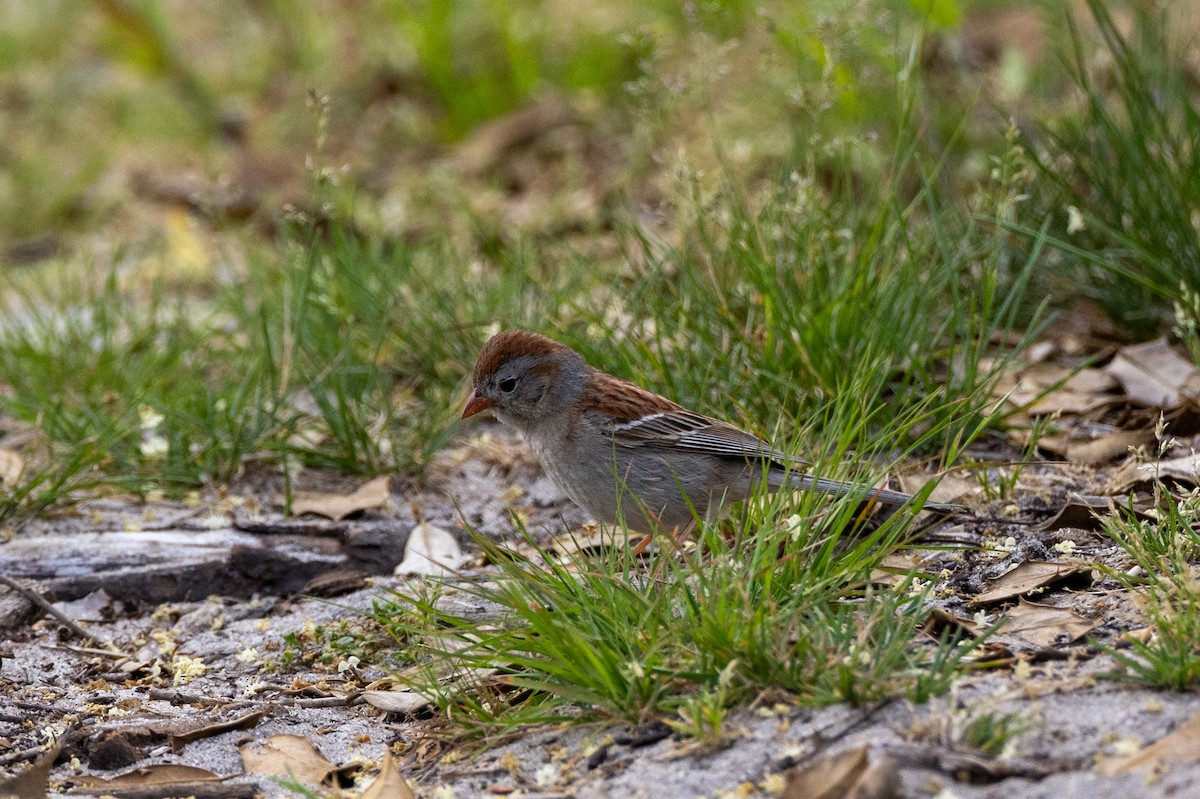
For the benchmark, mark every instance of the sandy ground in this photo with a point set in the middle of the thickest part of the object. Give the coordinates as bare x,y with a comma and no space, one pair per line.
200,597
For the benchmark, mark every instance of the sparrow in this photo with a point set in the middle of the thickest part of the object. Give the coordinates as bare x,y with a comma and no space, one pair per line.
627,455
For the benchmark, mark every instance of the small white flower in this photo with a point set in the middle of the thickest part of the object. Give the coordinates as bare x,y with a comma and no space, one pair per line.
150,418
1066,547
1008,545
249,656
186,669
1075,221
154,447
546,776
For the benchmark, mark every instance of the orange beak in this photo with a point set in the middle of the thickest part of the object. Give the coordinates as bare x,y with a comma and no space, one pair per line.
475,405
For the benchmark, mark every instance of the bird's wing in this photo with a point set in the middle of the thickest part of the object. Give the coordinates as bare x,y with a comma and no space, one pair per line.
636,417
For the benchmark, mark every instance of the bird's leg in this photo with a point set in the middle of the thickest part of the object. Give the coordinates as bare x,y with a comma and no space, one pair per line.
677,536
641,545
681,534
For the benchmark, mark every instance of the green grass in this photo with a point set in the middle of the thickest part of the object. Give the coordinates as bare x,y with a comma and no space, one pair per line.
1124,163
346,352
1165,588
815,268
343,353
855,328
757,605
842,327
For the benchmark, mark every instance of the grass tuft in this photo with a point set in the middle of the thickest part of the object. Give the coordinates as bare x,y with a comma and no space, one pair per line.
1118,177
756,605
1168,593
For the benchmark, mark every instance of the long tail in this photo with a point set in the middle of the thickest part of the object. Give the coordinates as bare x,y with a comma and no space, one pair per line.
839,488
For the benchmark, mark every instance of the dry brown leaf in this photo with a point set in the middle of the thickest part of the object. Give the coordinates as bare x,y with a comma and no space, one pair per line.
1064,401
290,756
1131,474
1043,626
1080,513
490,141
879,781
158,774
11,466
1106,447
1153,374
1181,746
33,782
1091,381
405,703
950,487
338,506
1050,388
940,620
244,722
96,606
846,775
897,568
1027,577
390,784
431,550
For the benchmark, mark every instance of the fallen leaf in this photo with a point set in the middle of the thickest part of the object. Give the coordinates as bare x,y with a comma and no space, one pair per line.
1050,388
1155,375
490,141
338,506
846,775
940,621
182,739
291,756
1184,470
1181,746
96,606
950,487
1106,447
390,784
879,781
1081,513
11,466
897,568
1043,626
405,703
159,774
33,782
432,551
1091,381
1027,577
1065,401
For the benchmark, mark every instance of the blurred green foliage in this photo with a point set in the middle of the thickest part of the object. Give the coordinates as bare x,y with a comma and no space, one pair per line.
91,92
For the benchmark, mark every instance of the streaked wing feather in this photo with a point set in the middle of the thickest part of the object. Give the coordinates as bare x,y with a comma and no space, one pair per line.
636,417
691,431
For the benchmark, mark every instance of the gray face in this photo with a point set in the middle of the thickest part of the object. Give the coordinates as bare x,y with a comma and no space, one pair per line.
518,388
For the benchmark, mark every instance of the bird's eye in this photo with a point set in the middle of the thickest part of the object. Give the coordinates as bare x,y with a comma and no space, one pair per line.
508,385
